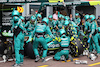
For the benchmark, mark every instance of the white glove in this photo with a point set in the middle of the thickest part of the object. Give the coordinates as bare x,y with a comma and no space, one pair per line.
26,32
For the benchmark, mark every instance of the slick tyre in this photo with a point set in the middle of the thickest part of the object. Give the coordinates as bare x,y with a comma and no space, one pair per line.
29,51
2,48
76,47
84,40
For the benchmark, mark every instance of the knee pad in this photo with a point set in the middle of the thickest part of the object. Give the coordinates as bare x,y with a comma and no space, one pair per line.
21,52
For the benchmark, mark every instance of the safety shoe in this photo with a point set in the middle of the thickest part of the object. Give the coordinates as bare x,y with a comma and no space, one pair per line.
21,63
63,58
98,54
16,65
70,57
43,59
37,58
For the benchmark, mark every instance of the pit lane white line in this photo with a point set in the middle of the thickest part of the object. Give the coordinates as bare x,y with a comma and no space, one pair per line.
49,58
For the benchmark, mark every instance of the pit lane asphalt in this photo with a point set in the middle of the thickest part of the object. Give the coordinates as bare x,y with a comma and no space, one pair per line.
51,63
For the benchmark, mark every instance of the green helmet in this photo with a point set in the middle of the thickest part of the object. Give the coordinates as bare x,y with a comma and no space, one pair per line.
66,22
58,13
33,18
92,17
22,18
45,20
50,16
77,14
39,15
86,17
66,17
59,16
15,13
63,16
74,25
98,29
62,31
15,18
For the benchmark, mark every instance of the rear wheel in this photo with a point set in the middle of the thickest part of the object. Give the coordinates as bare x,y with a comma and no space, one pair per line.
2,48
76,47
84,39
29,50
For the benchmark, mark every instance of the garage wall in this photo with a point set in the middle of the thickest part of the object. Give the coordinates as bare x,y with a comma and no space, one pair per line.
0,18
87,9
97,11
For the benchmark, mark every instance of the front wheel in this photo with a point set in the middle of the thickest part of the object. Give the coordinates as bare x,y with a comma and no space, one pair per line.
29,50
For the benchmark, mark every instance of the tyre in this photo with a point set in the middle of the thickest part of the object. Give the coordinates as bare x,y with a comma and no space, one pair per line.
84,40
29,50
9,51
2,48
76,47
